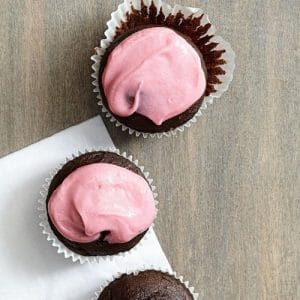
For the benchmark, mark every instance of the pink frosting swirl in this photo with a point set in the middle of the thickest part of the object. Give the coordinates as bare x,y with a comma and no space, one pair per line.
154,72
102,197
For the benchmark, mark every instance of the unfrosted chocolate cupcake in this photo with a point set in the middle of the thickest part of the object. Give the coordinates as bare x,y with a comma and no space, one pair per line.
100,203
156,68
146,285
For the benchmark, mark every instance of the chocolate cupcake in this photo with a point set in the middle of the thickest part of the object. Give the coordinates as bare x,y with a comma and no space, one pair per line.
158,66
98,204
144,285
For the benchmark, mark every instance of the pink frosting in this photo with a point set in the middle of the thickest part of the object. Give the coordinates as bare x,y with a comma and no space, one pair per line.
154,72
102,197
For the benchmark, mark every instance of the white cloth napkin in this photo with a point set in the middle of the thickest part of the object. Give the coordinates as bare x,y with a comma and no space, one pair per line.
30,268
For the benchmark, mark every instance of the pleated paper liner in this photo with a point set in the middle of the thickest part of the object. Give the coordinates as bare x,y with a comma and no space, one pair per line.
52,238
192,22
174,274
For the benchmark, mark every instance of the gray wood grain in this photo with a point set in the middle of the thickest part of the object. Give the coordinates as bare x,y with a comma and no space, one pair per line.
229,186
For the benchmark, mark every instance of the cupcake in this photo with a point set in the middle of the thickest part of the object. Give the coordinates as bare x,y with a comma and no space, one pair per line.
152,79
99,203
144,285
158,66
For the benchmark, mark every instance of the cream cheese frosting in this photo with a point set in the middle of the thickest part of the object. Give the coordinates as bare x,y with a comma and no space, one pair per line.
154,72
102,197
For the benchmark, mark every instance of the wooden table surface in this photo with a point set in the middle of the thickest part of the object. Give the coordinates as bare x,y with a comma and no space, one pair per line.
229,217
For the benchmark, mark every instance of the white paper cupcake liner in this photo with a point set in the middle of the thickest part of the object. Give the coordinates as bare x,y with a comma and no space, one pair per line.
136,272
120,15
51,237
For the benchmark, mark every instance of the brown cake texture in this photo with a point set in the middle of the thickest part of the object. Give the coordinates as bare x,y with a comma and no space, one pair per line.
98,247
146,285
194,33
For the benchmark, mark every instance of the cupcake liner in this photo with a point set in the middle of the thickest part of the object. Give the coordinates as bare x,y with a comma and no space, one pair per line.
51,237
194,23
136,272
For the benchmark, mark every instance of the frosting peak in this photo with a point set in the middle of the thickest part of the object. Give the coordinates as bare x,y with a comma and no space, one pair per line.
102,197
154,72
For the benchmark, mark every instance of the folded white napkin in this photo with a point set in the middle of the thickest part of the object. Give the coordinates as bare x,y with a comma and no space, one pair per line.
30,268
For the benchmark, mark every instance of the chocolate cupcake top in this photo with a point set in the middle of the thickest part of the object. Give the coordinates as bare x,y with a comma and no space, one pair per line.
154,72
100,204
102,197
146,285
